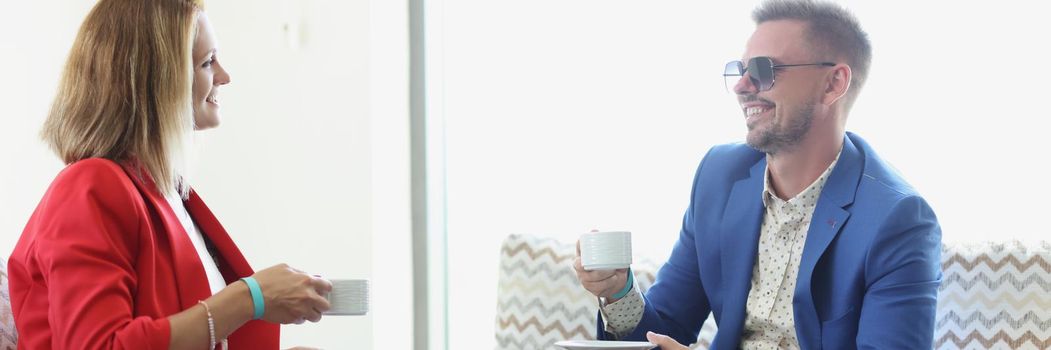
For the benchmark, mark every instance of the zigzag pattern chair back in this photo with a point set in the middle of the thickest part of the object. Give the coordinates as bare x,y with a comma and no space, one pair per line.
8,334
994,296
540,301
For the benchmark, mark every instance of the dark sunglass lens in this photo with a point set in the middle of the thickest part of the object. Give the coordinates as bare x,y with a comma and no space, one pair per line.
761,70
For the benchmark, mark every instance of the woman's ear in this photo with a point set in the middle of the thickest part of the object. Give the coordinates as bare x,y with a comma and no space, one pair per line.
837,84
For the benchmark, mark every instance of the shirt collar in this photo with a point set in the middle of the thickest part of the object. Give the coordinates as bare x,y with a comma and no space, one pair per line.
807,198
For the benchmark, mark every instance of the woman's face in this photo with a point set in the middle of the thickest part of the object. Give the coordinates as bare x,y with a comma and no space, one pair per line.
208,75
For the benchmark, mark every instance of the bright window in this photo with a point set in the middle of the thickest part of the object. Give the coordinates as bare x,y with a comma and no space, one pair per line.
562,116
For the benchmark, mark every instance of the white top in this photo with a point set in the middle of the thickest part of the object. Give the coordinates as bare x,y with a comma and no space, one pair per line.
215,278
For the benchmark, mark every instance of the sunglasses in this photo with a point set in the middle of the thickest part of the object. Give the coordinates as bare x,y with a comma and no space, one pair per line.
760,71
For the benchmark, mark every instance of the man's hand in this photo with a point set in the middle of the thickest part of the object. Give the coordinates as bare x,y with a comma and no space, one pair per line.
601,283
665,342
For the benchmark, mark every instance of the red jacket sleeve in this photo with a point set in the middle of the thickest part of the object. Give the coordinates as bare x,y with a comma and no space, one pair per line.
87,233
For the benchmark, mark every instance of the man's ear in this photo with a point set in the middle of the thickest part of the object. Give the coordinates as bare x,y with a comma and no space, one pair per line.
837,84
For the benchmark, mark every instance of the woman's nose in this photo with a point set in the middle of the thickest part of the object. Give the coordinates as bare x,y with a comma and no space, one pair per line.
222,77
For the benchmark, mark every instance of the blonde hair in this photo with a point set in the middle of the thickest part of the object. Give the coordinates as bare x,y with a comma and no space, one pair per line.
126,91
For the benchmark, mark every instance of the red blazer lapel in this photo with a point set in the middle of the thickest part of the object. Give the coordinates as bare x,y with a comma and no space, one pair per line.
189,273
232,263
254,334
192,281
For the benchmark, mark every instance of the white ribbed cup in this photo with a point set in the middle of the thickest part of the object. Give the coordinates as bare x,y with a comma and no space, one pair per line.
605,250
348,297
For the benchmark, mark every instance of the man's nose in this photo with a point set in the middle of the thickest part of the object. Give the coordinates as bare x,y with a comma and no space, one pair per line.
745,86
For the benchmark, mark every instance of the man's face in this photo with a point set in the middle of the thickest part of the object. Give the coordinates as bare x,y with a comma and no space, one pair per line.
779,118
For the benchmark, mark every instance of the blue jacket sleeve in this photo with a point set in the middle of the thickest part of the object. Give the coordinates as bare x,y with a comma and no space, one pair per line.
677,304
903,271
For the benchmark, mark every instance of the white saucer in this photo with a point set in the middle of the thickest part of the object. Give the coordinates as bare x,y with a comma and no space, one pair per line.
605,345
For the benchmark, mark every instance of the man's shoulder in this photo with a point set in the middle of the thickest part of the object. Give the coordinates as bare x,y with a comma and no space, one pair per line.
734,149
878,175
884,194
731,158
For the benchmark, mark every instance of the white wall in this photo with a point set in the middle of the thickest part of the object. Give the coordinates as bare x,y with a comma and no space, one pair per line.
288,171
296,172
35,43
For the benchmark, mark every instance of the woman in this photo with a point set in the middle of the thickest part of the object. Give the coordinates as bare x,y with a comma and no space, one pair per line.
121,253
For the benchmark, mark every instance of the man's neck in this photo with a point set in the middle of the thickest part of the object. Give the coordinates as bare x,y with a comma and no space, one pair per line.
793,170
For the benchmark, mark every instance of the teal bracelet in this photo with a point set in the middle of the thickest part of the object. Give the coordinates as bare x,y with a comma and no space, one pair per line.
257,297
627,286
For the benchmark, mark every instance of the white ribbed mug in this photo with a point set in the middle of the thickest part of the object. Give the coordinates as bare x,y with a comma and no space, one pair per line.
607,250
348,297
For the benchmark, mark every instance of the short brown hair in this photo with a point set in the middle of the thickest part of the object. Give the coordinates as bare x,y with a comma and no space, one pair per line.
831,28
126,91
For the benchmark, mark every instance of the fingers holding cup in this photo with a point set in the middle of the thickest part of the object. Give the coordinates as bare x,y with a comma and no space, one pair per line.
347,297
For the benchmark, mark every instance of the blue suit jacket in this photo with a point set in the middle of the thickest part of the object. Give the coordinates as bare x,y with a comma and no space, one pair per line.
869,272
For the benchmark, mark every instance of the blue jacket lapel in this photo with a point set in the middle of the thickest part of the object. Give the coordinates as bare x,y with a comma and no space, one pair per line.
739,241
827,221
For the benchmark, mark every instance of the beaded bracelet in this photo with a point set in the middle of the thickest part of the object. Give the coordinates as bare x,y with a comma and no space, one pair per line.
211,324
211,327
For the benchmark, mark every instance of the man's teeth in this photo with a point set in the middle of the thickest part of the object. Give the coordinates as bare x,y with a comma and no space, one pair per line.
754,111
213,99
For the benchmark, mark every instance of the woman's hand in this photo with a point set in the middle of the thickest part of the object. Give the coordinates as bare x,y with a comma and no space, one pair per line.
664,342
292,296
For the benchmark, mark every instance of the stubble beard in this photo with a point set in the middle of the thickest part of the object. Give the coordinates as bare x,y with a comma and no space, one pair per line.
782,134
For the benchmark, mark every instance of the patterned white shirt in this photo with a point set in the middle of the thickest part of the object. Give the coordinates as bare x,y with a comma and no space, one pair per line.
621,317
770,323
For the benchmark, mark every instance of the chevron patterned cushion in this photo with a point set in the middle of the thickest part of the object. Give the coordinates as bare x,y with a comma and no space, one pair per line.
8,335
540,301
995,296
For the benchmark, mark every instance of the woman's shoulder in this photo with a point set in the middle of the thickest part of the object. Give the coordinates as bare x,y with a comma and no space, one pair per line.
93,166
93,202
93,171
94,180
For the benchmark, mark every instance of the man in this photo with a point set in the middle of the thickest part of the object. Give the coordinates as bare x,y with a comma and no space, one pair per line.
804,237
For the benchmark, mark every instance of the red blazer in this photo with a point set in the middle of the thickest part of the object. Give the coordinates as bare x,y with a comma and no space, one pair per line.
104,261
